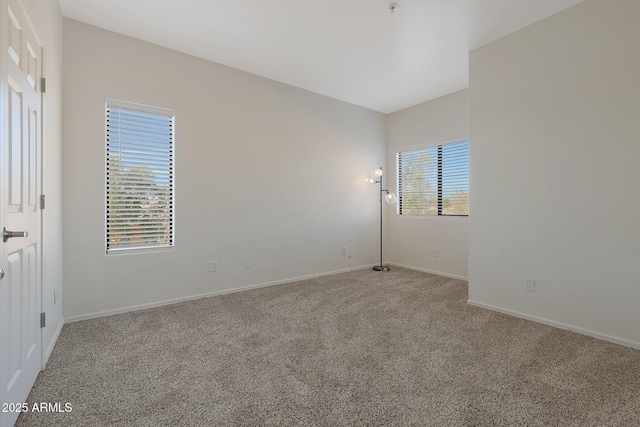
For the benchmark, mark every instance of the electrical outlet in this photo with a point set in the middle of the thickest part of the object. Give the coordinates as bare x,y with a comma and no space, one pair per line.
344,250
246,262
213,266
530,284
435,252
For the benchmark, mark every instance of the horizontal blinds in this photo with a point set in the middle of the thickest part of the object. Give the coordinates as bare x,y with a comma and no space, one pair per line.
140,187
418,182
455,179
434,180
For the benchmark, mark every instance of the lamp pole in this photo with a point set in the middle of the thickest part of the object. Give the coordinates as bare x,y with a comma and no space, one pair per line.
381,267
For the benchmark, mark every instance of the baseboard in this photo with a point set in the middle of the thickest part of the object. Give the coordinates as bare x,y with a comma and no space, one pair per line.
424,270
47,352
558,325
206,295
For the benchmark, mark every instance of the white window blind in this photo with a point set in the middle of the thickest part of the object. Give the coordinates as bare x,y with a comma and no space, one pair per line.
434,180
418,182
139,177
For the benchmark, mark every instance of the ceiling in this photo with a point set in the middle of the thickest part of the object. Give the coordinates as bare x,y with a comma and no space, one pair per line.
356,51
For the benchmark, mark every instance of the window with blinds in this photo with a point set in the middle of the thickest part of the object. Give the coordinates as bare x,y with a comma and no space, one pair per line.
434,180
139,177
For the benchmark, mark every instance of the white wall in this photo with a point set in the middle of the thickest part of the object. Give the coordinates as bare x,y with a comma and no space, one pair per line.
263,170
555,119
48,20
410,241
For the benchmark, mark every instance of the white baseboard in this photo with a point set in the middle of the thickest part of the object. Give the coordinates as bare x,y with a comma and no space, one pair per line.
558,325
424,270
206,295
49,349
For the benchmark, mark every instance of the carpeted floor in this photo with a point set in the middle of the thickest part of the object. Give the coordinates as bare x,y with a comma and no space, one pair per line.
360,348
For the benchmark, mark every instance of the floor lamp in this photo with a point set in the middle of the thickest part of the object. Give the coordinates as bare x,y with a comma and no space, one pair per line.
390,198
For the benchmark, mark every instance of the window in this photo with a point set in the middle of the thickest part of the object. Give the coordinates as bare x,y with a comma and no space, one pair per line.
140,182
434,180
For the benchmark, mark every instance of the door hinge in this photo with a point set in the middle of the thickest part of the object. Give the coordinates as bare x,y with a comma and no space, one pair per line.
43,320
43,84
42,201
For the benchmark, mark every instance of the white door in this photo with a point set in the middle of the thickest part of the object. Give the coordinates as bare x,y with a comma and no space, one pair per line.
20,170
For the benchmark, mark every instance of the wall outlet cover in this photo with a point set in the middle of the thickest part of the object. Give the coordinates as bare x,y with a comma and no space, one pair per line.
530,284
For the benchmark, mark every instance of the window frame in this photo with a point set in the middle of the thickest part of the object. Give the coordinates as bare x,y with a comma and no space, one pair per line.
152,110
439,178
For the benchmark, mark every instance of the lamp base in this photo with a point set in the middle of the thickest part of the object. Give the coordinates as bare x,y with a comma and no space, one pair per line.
381,268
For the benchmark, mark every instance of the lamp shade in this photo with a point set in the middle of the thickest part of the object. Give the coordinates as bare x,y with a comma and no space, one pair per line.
390,198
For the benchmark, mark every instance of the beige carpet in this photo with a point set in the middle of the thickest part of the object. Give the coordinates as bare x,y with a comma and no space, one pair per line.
354,349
